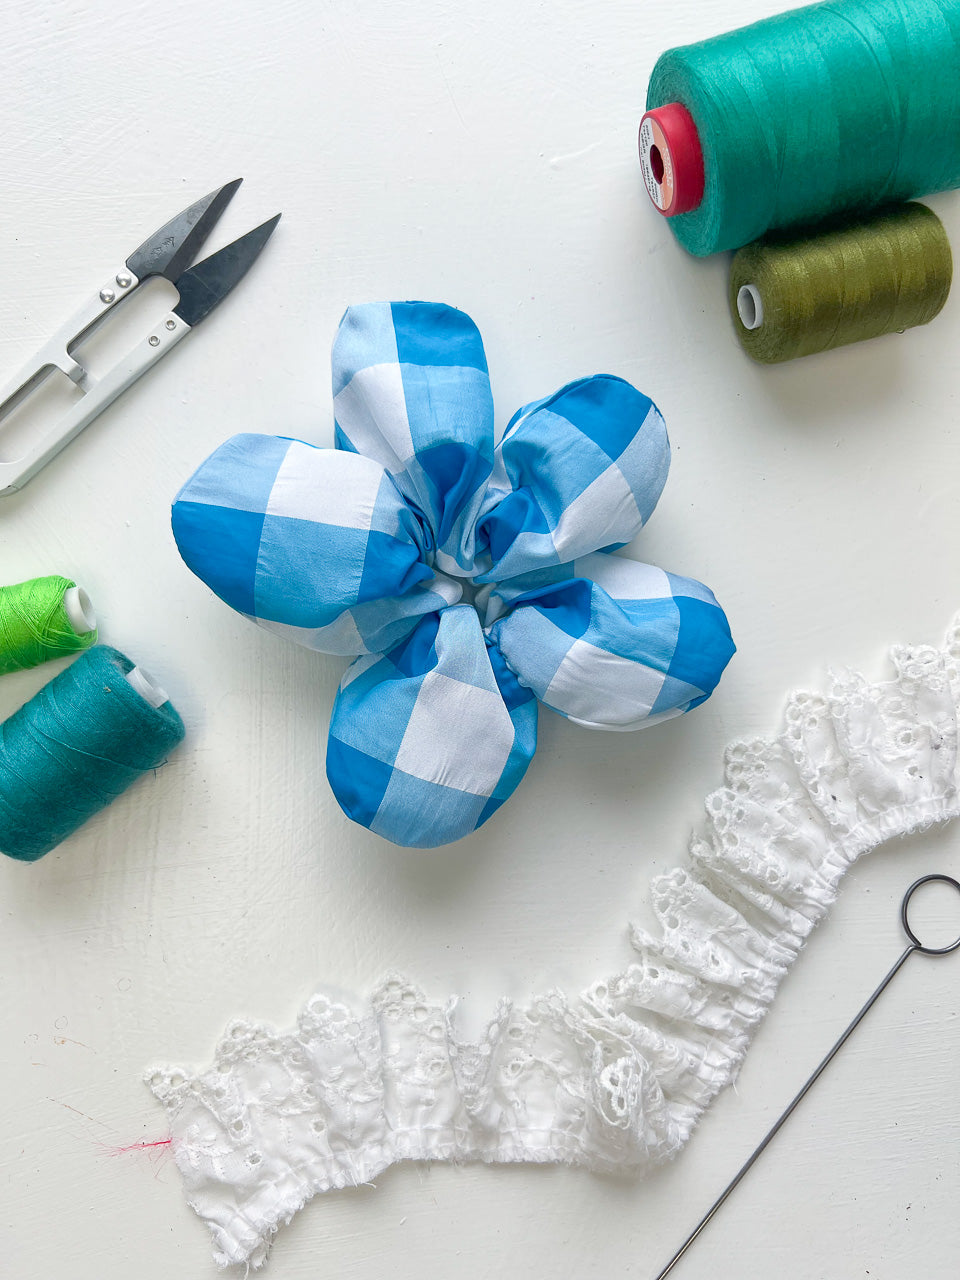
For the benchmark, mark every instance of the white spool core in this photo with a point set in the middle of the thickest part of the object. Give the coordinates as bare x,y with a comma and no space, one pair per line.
750,306
79,610
147,687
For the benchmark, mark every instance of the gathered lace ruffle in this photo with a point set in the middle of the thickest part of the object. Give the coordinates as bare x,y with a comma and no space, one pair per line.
616,1078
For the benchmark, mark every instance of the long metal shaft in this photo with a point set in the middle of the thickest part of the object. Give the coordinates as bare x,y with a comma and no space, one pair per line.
751,1161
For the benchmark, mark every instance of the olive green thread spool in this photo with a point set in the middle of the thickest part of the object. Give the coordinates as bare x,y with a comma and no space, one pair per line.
799,296
42,619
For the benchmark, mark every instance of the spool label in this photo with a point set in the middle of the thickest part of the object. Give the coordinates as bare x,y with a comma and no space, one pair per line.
656,164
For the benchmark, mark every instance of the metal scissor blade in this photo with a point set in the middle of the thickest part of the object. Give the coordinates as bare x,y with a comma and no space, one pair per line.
208,283
175,245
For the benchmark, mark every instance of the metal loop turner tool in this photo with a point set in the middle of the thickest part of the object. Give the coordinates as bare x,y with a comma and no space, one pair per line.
916,946
166,254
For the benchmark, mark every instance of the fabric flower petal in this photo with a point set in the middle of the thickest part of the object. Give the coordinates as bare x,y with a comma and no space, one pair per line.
428,741
577,472
312,543
615,644
411,390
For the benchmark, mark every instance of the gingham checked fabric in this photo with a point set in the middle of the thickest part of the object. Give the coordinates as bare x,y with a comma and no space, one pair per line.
367,549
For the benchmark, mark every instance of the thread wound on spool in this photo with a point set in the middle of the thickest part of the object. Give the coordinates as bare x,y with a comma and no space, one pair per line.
39,621
829,111
72,749
671,159
859,281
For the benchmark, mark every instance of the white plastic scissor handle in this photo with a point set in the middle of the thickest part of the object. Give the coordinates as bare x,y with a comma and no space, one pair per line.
97,393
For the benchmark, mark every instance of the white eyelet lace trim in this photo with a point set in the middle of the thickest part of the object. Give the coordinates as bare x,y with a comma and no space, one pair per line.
616,1079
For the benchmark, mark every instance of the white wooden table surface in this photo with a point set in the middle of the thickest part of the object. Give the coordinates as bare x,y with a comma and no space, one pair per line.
482,155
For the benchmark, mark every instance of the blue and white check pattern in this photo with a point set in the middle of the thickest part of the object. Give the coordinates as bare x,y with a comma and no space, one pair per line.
364,550
613,644
315,544
428,741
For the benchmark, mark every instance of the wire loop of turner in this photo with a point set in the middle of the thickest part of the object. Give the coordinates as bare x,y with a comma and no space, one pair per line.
915,946
905,919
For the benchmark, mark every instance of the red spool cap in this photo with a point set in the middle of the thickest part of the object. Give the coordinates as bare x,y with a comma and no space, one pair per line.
671,159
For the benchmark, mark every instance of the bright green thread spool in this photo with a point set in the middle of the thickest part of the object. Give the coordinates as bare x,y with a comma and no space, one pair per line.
43,619
832,110
793,298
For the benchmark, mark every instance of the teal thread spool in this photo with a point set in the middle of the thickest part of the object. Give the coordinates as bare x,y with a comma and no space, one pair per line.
828,111
76,746
43,619
796,297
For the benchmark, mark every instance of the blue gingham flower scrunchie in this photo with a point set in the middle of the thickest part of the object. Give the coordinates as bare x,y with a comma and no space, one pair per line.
468,579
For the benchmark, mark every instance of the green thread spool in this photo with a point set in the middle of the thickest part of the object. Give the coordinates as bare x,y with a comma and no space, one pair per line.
43,619
829,111
78,744
793,298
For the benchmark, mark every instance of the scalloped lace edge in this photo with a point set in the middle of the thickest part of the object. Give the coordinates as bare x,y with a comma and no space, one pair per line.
617,1078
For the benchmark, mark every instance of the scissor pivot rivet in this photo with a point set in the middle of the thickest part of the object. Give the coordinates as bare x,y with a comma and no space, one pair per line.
154,340
107,295
124,281
171,324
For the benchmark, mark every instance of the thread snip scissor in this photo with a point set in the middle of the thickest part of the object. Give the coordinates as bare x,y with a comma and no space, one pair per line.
165,254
